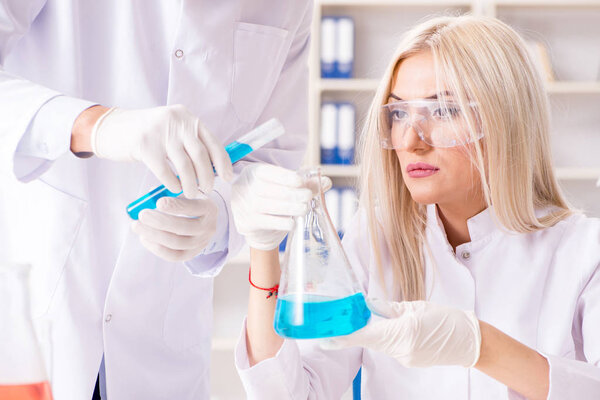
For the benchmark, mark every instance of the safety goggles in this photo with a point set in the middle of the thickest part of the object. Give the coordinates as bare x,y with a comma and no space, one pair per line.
439,124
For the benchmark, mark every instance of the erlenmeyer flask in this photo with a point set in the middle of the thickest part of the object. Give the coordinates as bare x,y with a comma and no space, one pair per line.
22,372
319,295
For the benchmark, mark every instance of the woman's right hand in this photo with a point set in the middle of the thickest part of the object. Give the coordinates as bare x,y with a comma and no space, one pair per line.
264,200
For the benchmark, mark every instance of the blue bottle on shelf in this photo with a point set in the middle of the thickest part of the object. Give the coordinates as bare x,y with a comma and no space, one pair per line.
329,133
346,127
328,47
344,47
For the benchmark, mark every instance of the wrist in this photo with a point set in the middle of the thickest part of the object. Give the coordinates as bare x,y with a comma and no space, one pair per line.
82,130
486,352
512,363
265,269
262,243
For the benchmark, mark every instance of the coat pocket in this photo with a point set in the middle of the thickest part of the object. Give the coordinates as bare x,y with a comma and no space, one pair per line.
259,52
187,323
46,222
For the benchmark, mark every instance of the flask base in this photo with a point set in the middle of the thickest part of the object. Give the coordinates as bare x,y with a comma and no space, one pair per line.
320,316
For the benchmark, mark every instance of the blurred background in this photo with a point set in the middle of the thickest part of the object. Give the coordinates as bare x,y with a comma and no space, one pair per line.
352,42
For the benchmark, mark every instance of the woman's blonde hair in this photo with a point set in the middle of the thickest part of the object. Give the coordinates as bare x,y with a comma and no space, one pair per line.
481,60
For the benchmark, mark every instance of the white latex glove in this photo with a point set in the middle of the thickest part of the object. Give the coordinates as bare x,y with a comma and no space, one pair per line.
264,200
417,334
158,135
179,229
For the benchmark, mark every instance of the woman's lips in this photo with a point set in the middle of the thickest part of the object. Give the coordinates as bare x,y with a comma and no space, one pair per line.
421,170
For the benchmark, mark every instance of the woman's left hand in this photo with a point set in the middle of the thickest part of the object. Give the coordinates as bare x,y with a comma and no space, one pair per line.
418,334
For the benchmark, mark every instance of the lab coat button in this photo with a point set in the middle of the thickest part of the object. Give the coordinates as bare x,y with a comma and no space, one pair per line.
44,147
108,318
466,255
179,53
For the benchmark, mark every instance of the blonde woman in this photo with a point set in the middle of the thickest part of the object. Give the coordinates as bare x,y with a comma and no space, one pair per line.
487,281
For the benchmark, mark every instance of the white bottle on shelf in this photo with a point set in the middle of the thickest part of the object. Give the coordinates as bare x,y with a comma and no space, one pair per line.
346,133
345,47
328,47
329,127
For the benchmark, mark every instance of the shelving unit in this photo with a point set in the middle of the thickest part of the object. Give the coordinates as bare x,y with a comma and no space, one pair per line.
563,93
570,30
575,100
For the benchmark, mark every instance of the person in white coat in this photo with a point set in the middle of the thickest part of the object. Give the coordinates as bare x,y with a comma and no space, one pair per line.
484,283
143,85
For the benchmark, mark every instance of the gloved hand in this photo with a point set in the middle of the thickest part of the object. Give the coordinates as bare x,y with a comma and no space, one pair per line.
264,200
179,229
417,334
158,135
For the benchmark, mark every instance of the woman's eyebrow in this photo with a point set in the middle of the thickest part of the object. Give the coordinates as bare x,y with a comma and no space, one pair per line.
432,97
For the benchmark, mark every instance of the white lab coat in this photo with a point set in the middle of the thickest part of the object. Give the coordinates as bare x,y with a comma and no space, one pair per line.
240,62
541,288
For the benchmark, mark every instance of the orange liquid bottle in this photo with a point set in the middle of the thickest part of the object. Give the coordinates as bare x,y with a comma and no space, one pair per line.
32,391
22,371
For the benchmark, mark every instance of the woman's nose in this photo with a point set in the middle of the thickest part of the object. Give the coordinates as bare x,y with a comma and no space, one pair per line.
412,138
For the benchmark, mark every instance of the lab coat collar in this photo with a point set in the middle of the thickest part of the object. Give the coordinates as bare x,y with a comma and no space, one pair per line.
480,226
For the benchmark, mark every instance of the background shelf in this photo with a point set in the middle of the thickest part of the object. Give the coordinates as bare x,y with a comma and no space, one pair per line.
348,85
395,3
548,3
573,87
335,171
370,85
352,171
578,174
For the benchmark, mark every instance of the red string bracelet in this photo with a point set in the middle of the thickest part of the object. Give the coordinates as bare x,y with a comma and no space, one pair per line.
272,291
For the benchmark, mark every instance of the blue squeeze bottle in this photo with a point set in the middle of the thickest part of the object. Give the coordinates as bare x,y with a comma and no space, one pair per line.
237,150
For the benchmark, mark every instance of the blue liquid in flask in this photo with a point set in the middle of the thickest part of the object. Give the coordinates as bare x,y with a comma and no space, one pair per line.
320,316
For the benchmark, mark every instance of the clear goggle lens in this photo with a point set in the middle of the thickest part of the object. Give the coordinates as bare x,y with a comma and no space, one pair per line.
439,124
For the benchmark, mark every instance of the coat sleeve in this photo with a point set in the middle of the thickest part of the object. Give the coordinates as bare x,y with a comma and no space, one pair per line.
301,369
35,121
573,379
288,103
